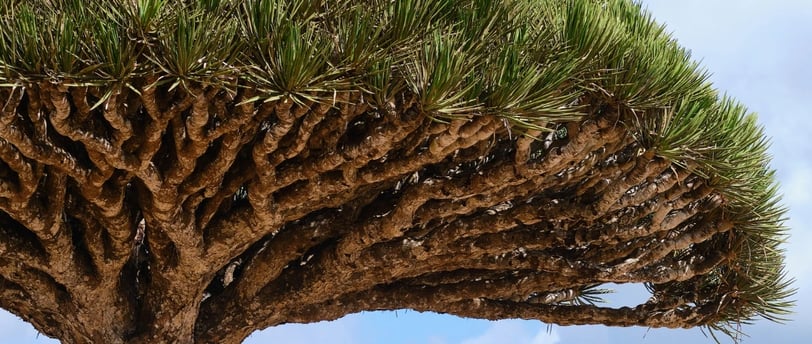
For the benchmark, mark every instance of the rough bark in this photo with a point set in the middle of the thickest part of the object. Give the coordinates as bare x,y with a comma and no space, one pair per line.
194,216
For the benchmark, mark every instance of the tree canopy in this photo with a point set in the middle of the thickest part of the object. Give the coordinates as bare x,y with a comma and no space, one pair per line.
194,170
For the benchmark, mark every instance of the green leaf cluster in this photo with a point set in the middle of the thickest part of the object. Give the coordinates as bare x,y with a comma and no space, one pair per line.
529,61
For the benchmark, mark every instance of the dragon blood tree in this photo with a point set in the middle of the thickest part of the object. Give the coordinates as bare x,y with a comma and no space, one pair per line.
191,171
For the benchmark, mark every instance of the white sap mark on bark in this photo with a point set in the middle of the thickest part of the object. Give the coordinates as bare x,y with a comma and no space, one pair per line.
140,232
382,215
611,159
415,177
503,206
628,262
264,246
411,243
306,260
228,276
499,208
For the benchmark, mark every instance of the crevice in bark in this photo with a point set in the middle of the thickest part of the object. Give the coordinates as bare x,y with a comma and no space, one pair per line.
82,256
17,239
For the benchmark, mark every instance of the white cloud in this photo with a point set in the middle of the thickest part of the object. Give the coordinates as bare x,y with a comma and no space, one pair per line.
436,340
544,337
341,331
514,331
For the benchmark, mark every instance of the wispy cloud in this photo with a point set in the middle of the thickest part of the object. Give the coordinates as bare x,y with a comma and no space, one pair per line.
342,331
515,331
544,337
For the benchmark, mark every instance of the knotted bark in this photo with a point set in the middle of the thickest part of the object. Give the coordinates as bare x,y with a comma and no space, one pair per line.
194,215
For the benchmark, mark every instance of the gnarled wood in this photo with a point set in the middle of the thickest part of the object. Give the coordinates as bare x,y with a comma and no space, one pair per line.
193,215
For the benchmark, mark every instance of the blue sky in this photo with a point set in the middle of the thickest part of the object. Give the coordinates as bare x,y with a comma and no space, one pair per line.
760,53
